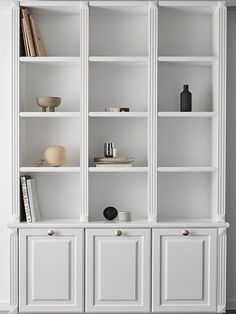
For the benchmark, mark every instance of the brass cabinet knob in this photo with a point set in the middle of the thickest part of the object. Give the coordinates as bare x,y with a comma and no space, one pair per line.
50,232
119,233
185,233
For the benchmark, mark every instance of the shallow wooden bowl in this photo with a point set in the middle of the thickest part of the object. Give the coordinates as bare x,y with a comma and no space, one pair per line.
48,102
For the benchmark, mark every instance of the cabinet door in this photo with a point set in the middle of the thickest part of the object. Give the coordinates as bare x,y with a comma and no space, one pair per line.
51,270
184,270
118,270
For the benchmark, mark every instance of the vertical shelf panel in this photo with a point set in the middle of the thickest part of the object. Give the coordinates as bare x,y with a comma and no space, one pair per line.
152,122
84,44
222,111
222,256
14,260
15,108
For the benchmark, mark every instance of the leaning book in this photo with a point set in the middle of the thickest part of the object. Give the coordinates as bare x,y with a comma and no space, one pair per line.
25,196
33,199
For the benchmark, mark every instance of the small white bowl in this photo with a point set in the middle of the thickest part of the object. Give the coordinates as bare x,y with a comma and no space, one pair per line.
124,216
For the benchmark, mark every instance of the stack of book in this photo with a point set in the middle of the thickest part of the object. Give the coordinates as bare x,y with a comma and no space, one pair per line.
114,161
32,39
29,199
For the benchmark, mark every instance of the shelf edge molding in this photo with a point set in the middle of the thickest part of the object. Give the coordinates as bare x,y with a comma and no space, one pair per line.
118,169
50,169
173,114
186,169
204,60
118,114
49,114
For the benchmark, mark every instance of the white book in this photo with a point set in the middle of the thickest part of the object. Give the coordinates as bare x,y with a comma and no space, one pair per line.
33,200
25,196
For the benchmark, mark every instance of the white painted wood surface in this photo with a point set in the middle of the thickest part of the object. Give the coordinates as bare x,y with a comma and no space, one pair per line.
178,175
131,71
51,268
184,270
118,270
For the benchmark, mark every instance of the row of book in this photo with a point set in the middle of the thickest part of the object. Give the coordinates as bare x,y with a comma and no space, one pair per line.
33,43
29,199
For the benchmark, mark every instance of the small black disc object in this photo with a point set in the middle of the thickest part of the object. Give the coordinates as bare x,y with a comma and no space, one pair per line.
110,213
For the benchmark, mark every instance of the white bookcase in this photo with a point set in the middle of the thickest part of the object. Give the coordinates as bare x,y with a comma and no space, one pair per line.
135,54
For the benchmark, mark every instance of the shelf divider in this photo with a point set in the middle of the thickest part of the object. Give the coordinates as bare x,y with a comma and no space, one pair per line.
173,114
186,169
51,60
194,60
118,114
118,169
50,114
50,169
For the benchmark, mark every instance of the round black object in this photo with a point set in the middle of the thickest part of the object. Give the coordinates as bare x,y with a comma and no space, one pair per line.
110,213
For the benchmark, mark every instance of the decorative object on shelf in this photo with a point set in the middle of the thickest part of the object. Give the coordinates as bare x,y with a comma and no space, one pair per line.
124,216
56,155
41,163
124,109
110,213
117,109
48,103
108,149
121,161
186,99
114,152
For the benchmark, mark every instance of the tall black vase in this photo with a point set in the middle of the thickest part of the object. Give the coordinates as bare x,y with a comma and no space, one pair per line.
186,99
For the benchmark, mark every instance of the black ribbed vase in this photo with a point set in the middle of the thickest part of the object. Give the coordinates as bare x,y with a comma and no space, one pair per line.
186,99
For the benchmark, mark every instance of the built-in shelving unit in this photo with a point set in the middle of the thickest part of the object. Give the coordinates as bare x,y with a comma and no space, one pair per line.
121,54
125,54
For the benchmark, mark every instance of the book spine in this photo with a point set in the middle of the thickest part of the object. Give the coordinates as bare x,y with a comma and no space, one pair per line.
38,42
26,199
27,53
29,36
31,201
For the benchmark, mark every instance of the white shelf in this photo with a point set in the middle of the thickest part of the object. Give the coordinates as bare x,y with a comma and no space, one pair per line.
118,114
50,169
129,60
75,222
51,60
186,169
118,169
193,60
49,114
173,114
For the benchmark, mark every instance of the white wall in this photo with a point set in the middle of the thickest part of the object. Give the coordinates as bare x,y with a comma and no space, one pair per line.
5,155
5,151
